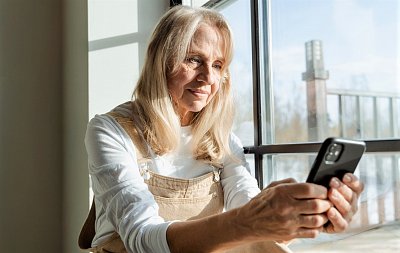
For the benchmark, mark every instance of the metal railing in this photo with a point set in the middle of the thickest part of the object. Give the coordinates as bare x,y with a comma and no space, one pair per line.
376,99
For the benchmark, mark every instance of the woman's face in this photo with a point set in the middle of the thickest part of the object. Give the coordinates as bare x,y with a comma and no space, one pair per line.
198,77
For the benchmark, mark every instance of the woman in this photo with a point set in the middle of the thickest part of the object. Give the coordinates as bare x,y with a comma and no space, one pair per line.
164,165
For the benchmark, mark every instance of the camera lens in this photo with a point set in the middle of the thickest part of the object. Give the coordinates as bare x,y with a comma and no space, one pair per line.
330,157
335,148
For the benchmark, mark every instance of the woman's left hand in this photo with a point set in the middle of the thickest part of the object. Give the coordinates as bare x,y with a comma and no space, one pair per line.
344,196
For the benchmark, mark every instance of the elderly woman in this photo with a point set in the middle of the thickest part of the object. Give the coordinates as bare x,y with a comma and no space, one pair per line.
168,174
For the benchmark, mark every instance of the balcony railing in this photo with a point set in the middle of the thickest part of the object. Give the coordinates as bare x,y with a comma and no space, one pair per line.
386,125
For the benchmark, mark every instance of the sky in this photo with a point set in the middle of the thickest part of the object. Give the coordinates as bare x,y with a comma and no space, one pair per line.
360,40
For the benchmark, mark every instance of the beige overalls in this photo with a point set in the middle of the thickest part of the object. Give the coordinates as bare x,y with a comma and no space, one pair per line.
178,199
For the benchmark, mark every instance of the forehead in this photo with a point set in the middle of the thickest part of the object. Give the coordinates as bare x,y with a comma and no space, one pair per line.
208,39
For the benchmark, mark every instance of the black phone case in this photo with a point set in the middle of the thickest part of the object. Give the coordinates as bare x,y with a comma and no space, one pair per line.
328,164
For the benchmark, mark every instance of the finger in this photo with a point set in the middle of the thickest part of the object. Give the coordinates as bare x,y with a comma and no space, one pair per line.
341,203
313,206
353,183
307,191
312,221
344,190
308,232
337,222
349,194
284,181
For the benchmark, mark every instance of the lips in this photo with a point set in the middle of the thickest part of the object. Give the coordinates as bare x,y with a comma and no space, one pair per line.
199,92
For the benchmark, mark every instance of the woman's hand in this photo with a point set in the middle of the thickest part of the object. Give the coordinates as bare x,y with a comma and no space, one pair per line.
283,211
344,196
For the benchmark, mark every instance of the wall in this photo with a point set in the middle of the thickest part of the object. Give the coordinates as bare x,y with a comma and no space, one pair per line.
31,125
75,194
44,109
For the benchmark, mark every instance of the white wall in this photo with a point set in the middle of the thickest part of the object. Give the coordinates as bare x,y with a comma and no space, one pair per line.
44,109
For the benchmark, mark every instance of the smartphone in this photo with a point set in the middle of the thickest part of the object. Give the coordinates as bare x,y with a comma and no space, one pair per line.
335,158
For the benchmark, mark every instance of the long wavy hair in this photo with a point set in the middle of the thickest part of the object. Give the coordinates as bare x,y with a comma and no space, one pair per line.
158,120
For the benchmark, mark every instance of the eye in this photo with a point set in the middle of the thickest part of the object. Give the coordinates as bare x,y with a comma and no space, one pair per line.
194,60
217,66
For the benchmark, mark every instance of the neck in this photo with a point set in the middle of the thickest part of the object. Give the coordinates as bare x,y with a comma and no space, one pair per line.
186,119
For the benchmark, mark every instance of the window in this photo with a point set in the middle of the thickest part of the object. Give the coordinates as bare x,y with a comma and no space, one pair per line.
348,86
320,69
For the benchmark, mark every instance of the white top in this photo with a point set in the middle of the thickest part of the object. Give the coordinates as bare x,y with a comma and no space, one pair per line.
123,202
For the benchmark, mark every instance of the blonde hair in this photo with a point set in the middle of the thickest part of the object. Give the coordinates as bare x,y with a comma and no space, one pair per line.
158,120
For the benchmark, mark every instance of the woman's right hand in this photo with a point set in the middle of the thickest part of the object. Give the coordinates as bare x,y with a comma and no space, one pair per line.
283,211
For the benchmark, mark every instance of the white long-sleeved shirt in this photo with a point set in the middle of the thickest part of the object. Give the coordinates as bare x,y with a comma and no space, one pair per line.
123,202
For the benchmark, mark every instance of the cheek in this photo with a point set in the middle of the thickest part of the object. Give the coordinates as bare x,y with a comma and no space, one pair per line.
177,83
173,90
175,87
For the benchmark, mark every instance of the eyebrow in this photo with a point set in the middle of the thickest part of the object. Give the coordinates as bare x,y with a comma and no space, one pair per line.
221,59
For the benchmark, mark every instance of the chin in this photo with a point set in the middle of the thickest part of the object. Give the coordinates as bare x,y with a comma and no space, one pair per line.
197,107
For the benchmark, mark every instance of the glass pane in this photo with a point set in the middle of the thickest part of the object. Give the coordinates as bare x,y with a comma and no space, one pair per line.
336,69
379,203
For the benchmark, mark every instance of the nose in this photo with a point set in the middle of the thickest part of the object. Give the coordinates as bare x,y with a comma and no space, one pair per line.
207,75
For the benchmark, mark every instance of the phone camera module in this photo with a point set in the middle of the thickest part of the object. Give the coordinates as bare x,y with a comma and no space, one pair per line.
333,153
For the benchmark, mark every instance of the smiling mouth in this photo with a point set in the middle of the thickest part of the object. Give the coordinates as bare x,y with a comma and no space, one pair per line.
198,93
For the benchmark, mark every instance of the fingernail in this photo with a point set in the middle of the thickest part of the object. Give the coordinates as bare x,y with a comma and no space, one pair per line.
347,178
334,183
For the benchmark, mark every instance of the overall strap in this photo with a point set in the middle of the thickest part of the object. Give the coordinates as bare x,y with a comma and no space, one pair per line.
88,230
128,125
